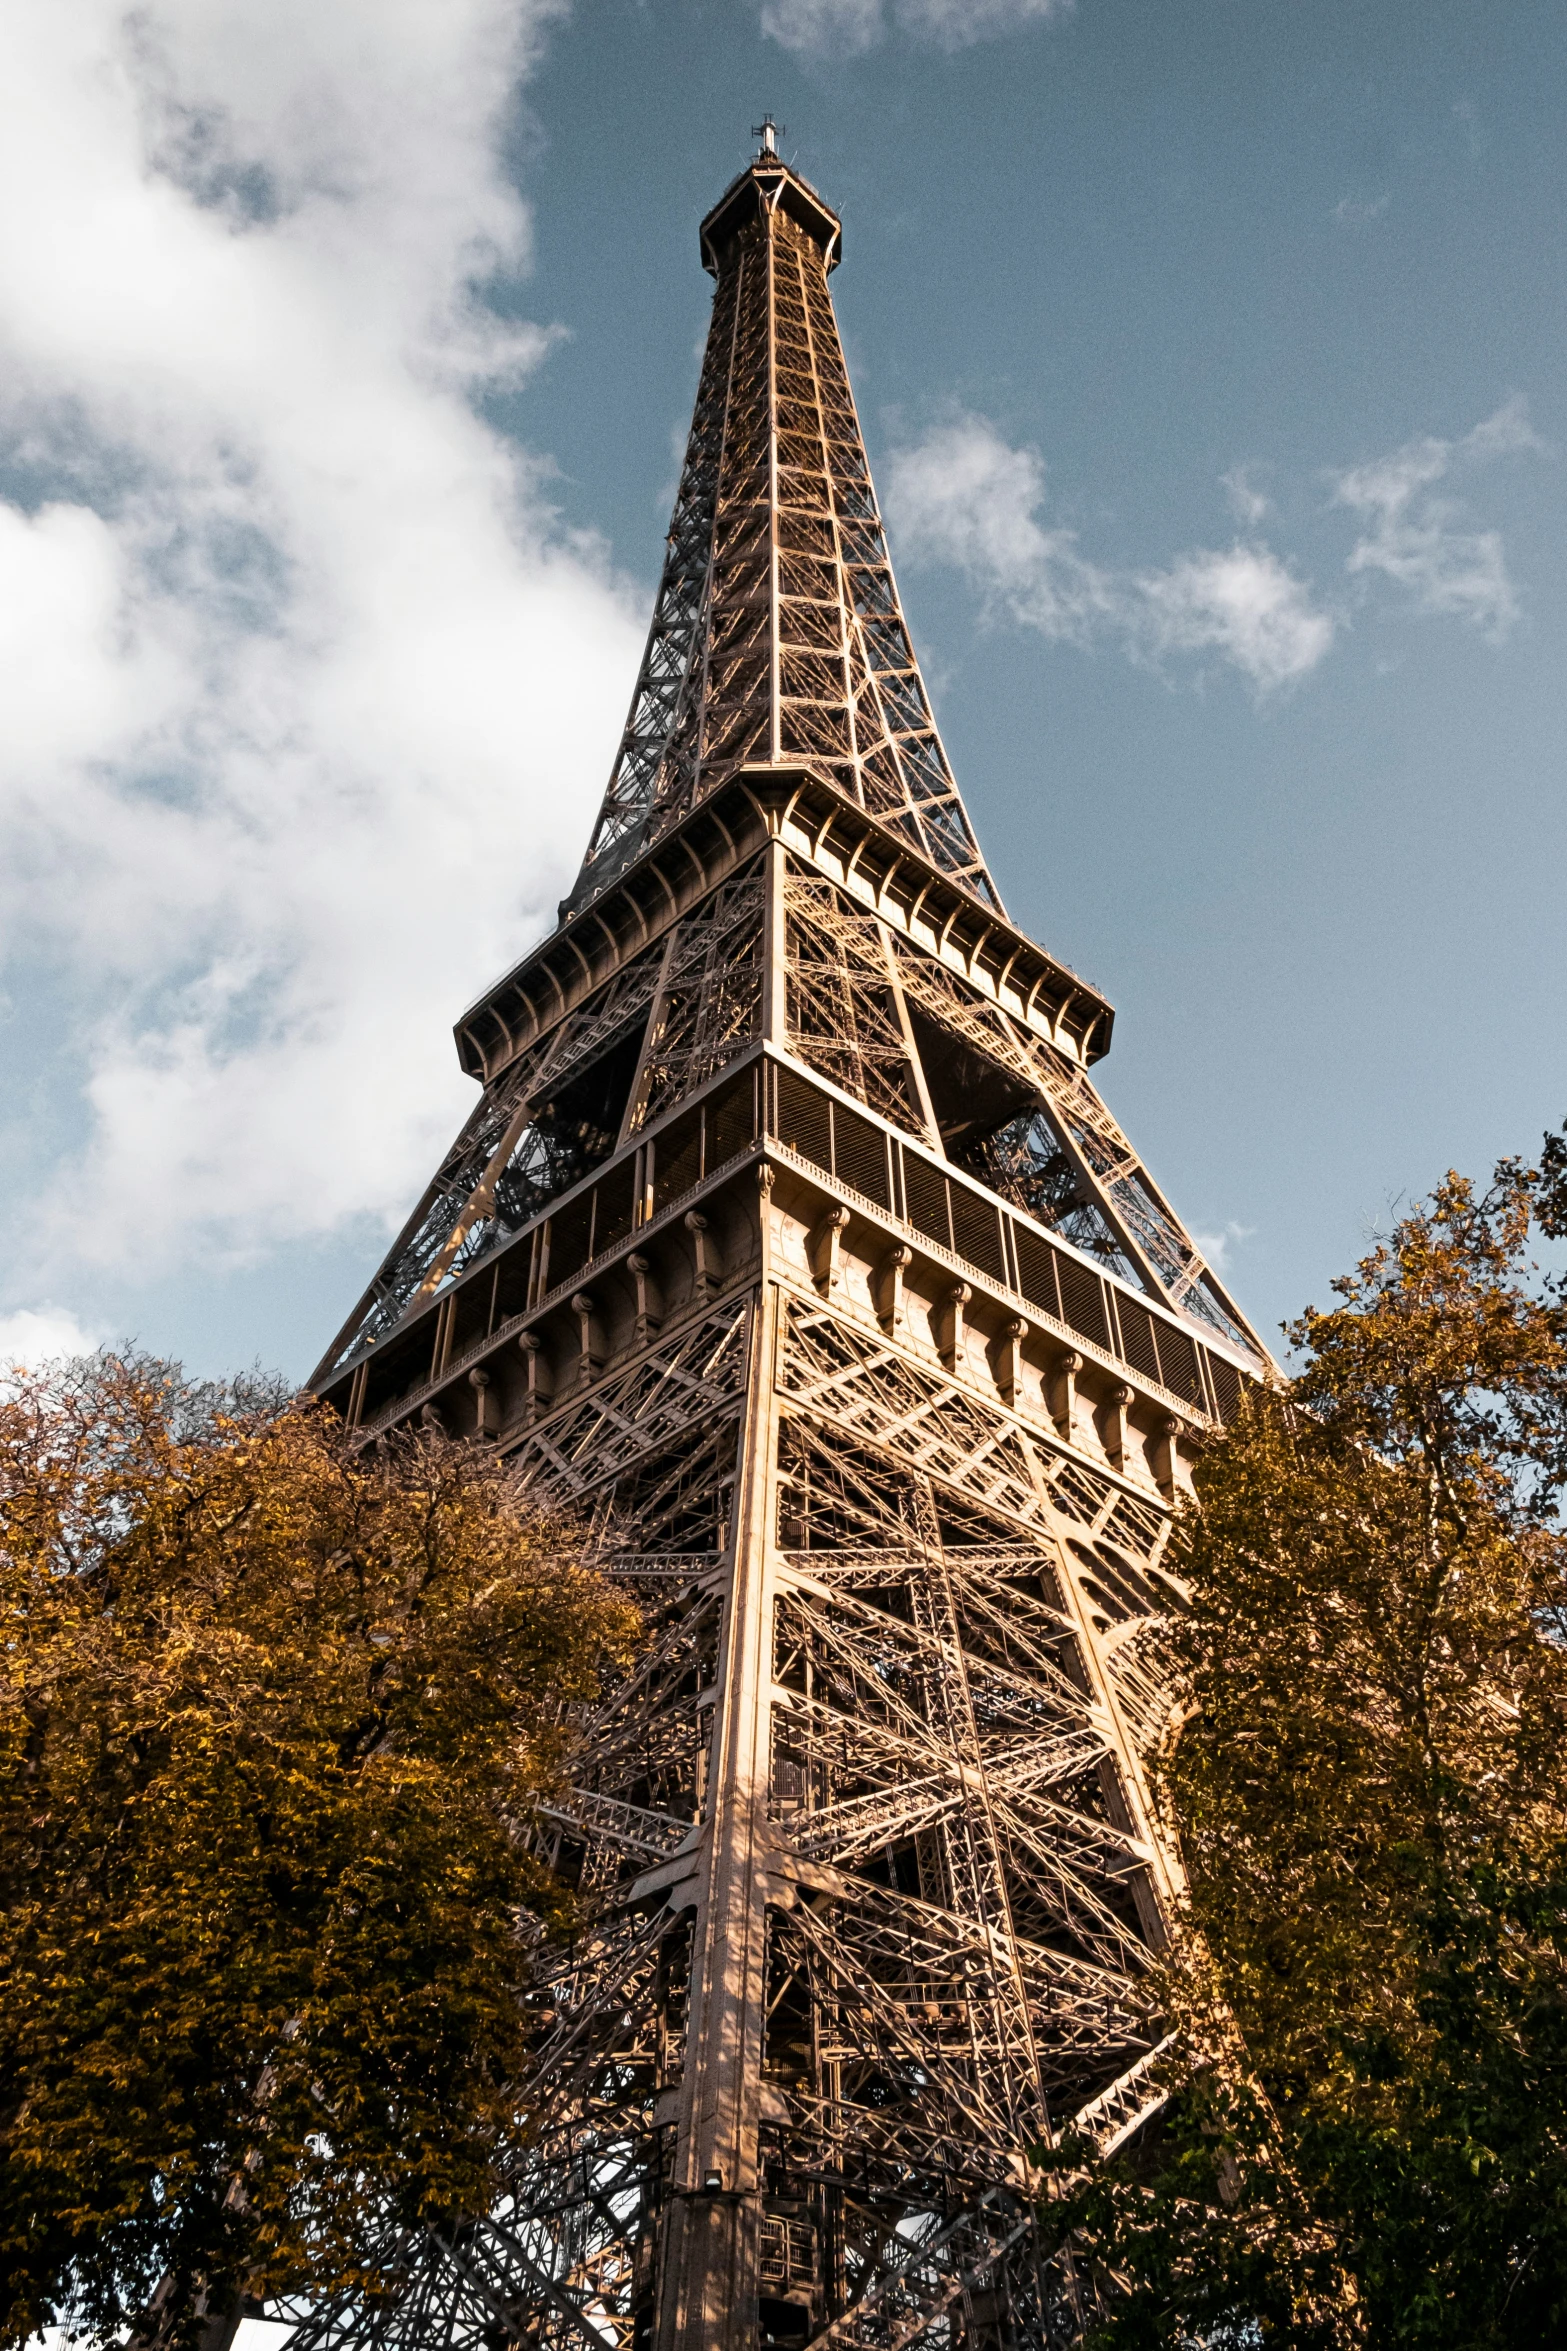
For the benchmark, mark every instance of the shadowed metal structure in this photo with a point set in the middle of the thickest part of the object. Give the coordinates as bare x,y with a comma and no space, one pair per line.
791,1243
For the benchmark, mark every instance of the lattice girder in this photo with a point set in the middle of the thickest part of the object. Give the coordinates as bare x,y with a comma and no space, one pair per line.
967,1707
777,631
855,1001
792,1250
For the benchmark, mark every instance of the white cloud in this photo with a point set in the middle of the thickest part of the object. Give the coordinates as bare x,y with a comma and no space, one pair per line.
1421,541
41,1334
1350,211
824,28
964,496
308,696
1247,503
1240,602
1216,1246
847,28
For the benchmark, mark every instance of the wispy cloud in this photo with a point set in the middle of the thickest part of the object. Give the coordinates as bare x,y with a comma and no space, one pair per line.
1218,1246
963,495
1349,211
1424,542
1240,602
847,28
1247,503
1475,140
308,695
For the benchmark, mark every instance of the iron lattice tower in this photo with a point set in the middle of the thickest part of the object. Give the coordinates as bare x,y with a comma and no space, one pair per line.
791,1243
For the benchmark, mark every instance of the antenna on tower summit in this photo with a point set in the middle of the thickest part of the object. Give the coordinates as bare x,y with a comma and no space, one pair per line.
769,132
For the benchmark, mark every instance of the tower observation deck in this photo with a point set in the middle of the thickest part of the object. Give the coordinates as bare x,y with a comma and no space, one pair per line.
791,1245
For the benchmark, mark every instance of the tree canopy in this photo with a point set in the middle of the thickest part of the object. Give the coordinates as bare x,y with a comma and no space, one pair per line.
1371,1794
274,1715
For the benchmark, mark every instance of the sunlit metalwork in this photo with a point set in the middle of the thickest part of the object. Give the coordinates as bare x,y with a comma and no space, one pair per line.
792,1247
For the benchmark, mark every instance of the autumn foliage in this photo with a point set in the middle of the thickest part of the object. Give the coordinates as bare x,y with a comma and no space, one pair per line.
1370,1786
273,1715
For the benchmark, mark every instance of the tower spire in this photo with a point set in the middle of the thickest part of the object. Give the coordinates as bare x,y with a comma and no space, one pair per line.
791,1248
777,633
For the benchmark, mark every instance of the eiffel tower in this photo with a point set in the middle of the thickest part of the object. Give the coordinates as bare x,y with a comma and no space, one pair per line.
791,1247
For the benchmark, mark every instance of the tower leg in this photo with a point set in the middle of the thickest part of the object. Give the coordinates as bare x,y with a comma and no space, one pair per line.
709,2291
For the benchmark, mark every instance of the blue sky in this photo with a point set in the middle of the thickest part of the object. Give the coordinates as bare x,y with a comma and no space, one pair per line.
1210,357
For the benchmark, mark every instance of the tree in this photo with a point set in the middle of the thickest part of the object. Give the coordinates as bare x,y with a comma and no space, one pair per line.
274,1715
1372,1800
